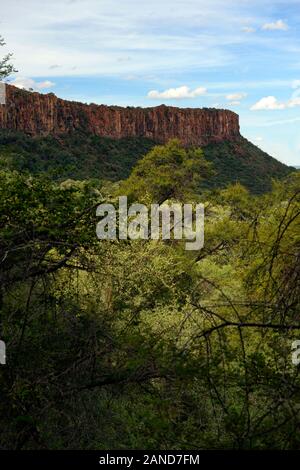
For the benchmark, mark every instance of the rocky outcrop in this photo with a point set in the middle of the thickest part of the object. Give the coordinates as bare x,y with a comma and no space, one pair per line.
43,114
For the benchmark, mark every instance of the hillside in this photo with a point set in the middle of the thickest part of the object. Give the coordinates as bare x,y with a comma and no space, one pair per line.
244,162
77,155
42,133
83,156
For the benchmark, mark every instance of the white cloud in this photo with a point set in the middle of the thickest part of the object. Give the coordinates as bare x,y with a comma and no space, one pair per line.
155,34
296,84
236,96
271,103
177,93
276,25
159,36
248,29
234,103
45,84
293,102
27,83
258,139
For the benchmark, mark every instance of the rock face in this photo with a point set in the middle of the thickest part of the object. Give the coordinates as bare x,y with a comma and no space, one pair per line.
39,114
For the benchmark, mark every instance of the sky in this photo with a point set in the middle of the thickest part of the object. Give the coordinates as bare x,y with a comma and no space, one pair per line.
242,55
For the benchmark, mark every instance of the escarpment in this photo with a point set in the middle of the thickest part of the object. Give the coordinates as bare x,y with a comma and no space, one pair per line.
39,114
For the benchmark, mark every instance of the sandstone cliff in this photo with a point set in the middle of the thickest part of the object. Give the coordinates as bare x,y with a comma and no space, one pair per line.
43,114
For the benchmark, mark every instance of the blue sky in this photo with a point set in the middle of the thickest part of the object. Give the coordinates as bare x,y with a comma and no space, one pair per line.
242,55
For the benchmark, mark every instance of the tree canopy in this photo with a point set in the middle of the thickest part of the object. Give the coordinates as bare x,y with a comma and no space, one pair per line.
6,68
140,344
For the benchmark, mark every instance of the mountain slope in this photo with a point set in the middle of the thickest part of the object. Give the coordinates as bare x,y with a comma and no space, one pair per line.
81,156
243,162
76,155
42,133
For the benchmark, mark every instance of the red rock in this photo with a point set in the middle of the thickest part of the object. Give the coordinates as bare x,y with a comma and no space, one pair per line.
43,114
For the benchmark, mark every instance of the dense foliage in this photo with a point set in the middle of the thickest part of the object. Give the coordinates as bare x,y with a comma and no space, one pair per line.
76,155
6,67
245,163
80,155
141,344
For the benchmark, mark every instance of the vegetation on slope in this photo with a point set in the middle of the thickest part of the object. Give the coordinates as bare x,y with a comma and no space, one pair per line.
245,163
141,344
77,156
83,156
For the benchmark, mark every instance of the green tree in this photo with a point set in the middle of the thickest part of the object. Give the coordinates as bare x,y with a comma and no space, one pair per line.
167,172
6,68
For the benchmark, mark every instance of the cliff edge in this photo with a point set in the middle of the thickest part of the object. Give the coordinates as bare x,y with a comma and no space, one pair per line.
39,114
